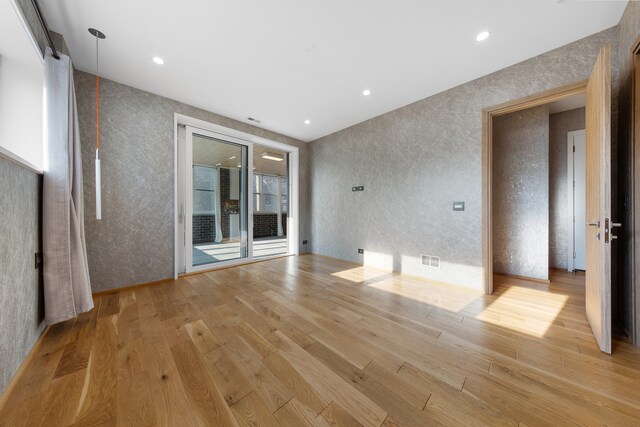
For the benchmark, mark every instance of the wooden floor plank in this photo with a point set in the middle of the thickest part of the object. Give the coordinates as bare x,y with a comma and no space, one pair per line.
267,386
62,399
330,386
135,403
98,403
250,411
295,414
336,415
205,398
170,400
292,379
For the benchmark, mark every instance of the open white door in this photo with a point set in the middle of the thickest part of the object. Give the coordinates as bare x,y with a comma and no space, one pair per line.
598,236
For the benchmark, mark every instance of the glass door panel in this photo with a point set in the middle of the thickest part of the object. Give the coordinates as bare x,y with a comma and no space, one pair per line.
270,202
217,214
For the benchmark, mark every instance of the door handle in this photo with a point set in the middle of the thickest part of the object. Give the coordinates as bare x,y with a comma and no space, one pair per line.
615,224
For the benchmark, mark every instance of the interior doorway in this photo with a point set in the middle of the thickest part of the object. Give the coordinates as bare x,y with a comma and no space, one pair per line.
599,225
538,187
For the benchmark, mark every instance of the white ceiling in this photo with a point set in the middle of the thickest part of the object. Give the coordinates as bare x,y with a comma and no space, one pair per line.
569,103
285,61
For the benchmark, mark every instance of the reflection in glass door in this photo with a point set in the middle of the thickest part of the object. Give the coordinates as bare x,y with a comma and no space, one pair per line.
270,202
217,204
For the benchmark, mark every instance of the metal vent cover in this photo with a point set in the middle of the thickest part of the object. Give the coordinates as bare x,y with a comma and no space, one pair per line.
430,260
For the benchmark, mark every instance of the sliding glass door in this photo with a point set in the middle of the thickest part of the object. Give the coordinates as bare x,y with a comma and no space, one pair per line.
217,216
236,197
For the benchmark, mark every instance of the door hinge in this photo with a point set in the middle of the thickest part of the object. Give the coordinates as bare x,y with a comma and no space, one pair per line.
574,255
606,230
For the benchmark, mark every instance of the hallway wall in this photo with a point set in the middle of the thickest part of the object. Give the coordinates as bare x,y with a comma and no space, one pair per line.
521,193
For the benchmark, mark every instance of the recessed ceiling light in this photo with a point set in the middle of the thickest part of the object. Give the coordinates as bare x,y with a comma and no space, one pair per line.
482,36
366,92
232,157
218,164
307,122
239,165
272,156
158,60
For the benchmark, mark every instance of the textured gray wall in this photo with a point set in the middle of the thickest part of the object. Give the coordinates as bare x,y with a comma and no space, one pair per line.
21,295
134,241
21,298
559,125
623,306
520,191
415,161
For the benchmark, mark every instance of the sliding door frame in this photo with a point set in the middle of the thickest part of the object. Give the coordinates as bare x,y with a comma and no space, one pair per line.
243,138
247,202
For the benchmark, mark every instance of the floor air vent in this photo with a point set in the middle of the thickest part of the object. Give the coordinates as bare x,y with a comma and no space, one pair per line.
431,261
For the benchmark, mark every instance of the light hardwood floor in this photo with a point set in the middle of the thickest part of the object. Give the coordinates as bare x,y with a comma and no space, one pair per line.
315,341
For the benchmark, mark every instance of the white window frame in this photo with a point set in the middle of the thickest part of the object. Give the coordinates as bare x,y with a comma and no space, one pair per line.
244,138
277,195
213,191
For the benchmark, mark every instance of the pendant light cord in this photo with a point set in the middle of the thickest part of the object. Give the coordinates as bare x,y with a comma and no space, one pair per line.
97,103
98,35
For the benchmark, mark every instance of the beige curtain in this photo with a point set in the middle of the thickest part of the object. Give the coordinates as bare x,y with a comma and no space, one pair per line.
67,289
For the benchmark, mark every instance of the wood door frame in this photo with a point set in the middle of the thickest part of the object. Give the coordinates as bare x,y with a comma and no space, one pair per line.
634,191
488,114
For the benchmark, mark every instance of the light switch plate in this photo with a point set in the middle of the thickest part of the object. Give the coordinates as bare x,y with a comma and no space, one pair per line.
458,206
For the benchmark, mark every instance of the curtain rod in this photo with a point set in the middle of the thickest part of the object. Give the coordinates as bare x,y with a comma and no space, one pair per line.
45,28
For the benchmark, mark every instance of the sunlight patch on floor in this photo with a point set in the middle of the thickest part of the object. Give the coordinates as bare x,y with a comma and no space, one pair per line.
360,274
509,310
420,290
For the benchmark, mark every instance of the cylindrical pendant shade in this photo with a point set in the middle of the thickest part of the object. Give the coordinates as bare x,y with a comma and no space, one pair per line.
98,195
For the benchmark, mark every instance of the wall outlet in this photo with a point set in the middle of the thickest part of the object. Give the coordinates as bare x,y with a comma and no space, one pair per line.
358,188
361,251
304,242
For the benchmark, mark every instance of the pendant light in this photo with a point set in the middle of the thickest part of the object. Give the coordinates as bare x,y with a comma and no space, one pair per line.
98,35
